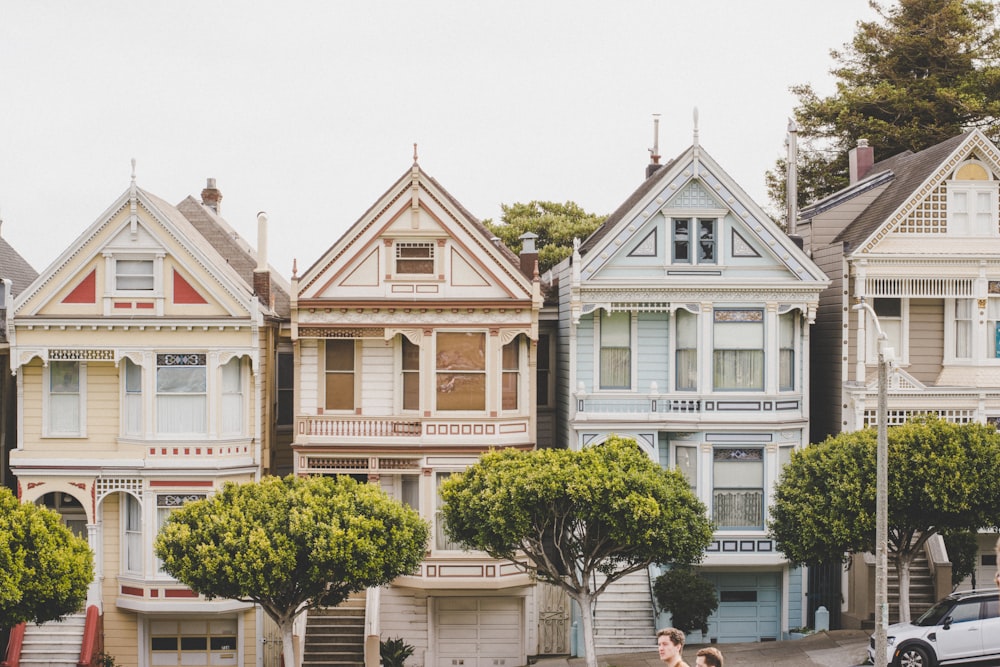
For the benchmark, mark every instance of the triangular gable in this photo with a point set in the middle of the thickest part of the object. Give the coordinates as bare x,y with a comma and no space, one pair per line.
416,240
693,186
150,233
923,212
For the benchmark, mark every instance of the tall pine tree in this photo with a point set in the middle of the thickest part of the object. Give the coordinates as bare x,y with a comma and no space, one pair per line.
925,71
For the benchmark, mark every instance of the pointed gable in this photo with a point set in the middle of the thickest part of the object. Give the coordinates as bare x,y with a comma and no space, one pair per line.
416,241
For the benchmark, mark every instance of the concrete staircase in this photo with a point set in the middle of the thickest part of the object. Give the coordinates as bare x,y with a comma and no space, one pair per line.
53,644
623,618
335,636
921,588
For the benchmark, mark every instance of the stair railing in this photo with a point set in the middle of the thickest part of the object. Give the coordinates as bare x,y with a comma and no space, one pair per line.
90,647
14,645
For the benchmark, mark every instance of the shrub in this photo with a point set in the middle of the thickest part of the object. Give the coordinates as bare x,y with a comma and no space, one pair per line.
688,597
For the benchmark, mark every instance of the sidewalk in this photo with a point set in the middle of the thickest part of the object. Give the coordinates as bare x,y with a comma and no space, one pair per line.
834,648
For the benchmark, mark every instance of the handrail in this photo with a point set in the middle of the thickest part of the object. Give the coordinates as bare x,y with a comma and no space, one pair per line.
14,644
89,647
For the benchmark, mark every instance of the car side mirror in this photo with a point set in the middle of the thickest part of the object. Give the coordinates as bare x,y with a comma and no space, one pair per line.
946,624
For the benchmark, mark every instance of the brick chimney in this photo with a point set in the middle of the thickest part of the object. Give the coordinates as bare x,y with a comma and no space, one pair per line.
861,160
529,254
211,196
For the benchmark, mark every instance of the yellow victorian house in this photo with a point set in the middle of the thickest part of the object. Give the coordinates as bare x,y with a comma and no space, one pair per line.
145,359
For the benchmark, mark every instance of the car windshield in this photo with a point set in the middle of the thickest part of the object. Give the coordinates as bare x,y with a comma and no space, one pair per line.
935,614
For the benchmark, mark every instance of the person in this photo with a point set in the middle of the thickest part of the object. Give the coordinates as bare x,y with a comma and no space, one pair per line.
708,657
996,577
670,643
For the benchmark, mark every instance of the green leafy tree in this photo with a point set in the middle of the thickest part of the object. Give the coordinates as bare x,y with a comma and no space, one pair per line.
291,544
44,569
925,71
942,477
567,516
689,597
555,224
963,552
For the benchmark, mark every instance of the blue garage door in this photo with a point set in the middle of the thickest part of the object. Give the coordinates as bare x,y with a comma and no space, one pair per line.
749,607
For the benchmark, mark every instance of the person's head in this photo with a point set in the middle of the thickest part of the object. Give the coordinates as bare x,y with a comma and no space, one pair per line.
708,657
670,642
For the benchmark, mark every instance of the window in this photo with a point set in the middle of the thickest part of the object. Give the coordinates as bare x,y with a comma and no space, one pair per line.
181,394
686,365
890,313
703,249
993,329
286,388
738,358
66,380
232,397
167,503
543,371
415,258
738,487
686,458
133,535
441,540
963,329
339,374
409,491
410,365
133,398
461,371
972,201
786,352
511,374
134,275
616,350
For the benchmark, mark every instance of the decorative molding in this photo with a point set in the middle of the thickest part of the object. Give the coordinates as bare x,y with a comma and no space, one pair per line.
415,316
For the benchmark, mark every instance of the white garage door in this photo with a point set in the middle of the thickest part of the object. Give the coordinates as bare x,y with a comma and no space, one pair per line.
193,643
749,607
478,632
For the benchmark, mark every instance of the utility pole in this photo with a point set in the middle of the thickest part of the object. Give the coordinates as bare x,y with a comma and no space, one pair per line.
885,354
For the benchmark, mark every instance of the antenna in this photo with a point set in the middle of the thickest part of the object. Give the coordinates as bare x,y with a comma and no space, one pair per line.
655,150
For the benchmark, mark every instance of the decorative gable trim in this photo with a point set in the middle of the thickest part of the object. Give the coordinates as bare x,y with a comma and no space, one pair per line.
647,246
184,293
85,292
740,247
931,189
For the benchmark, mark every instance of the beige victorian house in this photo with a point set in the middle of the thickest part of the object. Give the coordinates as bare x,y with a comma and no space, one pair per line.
145,357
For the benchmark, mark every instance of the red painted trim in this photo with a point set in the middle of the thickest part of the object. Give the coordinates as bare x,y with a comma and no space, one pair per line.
184,292
123,304
13,658
179,593
132,590
144,304
90,637
180,482
85,292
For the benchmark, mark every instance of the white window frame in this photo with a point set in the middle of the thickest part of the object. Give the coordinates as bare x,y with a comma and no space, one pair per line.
716,488
695,223
718,321
133,549
632,319
353,371
791,347
49,411
899,345
167,502
978,198
952,334
163,429
132,399
686,462
410,374
137,278
512,375
232,385
690,346
399,249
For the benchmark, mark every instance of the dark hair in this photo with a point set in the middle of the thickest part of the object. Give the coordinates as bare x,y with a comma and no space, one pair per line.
712,655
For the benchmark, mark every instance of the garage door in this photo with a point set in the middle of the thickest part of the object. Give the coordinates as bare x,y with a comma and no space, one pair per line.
193,643
478,632
749,607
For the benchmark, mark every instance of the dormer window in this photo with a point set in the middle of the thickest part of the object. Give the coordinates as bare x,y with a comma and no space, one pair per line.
972,201
134,275
415,258
694,240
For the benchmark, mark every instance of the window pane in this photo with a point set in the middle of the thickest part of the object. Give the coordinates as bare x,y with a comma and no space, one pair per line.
340,391
180,379
461,391
411,374
739,369
687,464
415,258
511,377
340,355
542,370
461,351
616,353
686,362
132,274
411,355
682,241
286,388
706,241
738,487
64,376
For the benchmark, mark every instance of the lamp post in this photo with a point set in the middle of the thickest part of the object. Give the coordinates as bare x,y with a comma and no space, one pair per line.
881,491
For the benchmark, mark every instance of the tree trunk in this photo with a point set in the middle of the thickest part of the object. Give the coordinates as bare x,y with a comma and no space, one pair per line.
586,602
288,642
903,560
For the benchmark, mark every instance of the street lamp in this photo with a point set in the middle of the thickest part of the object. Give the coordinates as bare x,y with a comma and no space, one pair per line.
881,491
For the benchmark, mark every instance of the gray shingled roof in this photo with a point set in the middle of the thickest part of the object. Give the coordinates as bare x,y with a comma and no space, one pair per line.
613,219
234,249
15,268
909,170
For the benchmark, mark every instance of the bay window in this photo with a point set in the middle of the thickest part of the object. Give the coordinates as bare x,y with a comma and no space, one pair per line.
738,355
66,381
686,352
181,394
461,371
616,350
738,487
339,374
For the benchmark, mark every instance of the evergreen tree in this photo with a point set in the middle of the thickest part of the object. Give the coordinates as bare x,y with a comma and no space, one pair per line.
926,71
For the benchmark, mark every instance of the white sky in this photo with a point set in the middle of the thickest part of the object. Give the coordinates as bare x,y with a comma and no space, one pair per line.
309,110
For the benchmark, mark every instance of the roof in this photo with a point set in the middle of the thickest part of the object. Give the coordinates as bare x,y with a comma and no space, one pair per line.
15,268
909,170
235,250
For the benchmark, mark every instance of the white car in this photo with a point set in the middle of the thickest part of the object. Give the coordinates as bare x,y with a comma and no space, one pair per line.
962,627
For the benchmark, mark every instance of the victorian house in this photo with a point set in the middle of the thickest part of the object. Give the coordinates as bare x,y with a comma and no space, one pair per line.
684,324
415,341
916,237
145,357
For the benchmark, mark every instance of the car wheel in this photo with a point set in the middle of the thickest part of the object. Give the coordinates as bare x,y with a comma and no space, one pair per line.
914,656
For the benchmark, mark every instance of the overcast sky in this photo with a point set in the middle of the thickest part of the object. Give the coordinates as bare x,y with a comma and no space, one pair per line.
309,110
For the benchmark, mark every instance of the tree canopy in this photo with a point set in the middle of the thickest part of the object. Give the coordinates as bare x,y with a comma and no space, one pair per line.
555,224
942,477
925,71
568,516
291,544
44,568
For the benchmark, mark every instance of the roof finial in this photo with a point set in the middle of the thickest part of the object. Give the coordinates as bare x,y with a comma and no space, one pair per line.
133,170
696,126
414,152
